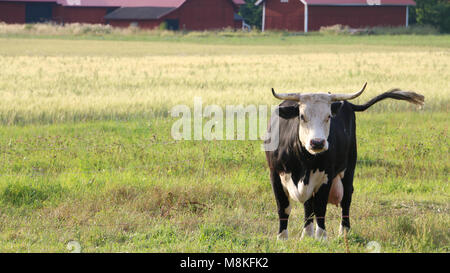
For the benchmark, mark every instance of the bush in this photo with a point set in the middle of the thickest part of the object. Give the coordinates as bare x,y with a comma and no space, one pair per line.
163,26
432,12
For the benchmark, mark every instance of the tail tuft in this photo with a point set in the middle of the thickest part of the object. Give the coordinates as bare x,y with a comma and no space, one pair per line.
408,96
396,94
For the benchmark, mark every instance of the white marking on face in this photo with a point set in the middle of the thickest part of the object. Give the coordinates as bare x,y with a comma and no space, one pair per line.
315,116
303,192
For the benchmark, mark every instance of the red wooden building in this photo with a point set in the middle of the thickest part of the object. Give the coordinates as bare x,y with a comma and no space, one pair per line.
60,11
181,14
177,14
307,15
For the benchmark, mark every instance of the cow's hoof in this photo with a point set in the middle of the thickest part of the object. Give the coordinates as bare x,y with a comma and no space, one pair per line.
343,230
321,234
282,236
308,231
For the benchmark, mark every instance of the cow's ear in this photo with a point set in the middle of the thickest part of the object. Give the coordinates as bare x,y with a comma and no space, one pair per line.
288,112
336,107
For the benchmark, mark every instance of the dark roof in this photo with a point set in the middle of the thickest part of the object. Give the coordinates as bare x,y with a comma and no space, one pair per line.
110,3
117,3
354,2
142,13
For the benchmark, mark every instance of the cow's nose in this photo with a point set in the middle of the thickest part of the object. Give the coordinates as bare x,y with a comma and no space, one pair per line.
317,143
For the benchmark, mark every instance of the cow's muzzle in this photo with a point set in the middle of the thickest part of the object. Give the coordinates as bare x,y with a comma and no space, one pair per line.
317,144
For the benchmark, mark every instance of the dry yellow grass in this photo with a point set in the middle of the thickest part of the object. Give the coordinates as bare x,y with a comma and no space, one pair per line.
58,81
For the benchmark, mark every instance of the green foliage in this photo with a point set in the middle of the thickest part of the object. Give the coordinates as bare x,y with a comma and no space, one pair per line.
432,12
252,14
29,195
163,26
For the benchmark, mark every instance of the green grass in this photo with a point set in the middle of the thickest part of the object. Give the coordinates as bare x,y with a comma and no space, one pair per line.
90,158
412,36
113,187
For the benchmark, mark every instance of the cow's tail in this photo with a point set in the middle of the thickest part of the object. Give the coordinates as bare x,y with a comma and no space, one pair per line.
396,94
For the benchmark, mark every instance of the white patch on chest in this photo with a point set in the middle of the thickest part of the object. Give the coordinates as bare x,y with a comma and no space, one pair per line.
302,192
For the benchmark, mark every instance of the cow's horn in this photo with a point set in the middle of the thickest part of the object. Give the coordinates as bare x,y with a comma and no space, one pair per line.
337,97
287,96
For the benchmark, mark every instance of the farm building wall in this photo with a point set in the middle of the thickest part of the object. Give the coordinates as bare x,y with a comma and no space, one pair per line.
204,14
90,15
16,13
192,15
238,24
356,17
12,13
284,15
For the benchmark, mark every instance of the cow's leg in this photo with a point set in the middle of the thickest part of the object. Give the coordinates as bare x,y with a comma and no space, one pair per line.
283,205
320,200
308,226
347,182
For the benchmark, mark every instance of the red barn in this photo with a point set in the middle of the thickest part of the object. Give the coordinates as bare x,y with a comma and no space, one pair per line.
20,12
305,15
178,14
185,14
60,11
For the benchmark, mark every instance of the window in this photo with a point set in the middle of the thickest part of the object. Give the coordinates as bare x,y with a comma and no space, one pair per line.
284,1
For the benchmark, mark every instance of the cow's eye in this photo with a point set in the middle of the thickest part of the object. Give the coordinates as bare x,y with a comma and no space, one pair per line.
328,118
303,118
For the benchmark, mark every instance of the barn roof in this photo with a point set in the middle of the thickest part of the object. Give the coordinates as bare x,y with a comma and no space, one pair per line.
117,3
361,2
355,2
110,3
122,3
139,13
155,9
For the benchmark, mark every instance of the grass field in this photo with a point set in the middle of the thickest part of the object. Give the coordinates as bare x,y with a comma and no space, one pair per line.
87,154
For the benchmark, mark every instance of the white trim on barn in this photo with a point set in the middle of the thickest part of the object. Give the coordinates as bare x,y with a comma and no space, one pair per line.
263,17
407,16
305,16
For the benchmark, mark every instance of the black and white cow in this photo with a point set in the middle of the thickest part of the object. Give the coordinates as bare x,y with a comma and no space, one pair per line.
315,159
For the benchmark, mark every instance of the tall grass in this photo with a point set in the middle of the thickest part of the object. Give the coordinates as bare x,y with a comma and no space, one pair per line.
79,29
382,30
57,81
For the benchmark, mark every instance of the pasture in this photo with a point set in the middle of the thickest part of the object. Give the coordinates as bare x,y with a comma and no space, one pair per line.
87,153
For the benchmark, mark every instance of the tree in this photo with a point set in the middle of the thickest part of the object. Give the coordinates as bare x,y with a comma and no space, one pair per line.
252,14
432,12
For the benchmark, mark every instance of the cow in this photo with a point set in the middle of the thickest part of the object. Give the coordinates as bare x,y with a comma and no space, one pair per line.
314,161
